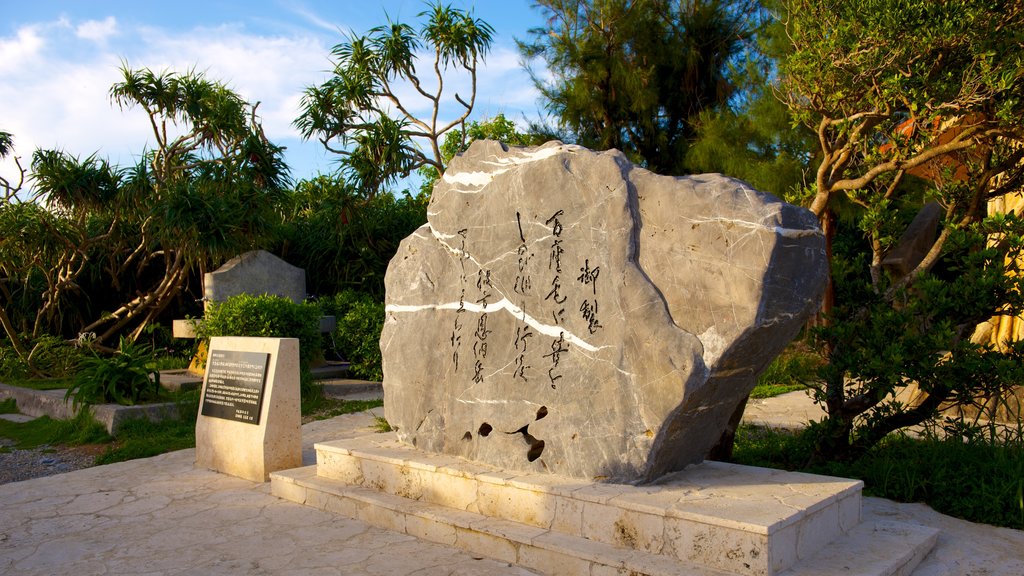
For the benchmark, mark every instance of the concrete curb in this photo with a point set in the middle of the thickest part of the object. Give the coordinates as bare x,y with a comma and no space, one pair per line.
112,416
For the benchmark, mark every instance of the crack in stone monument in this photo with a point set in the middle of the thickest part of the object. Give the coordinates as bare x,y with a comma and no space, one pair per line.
635,309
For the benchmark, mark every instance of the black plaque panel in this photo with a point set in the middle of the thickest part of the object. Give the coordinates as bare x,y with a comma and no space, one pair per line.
234,385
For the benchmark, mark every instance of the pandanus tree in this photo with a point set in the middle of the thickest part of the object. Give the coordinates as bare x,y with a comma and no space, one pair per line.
209,188
362,112
47,236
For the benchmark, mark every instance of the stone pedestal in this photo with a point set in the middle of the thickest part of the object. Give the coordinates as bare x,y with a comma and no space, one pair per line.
710,519
243,431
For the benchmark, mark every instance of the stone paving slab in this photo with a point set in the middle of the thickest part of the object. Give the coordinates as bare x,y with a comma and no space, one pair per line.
790,411
17,418
161,516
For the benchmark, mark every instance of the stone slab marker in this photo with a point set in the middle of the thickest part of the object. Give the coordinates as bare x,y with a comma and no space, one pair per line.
564,311
255,272
249,422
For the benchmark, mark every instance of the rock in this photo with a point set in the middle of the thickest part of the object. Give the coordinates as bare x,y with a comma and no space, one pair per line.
564,311
915,242
255,272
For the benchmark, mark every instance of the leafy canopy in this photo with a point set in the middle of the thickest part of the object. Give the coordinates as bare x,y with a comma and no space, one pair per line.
636,74
911,101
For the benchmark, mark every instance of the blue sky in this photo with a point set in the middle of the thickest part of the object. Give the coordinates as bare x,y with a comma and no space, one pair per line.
58,59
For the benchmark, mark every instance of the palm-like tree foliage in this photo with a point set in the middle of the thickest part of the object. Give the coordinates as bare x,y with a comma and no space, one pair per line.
357,112
209,188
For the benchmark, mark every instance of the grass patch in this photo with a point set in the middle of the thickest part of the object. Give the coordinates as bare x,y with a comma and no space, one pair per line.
381,425
795,369
81,429
141,438
327,407
40,383
773,390
9,406
977,480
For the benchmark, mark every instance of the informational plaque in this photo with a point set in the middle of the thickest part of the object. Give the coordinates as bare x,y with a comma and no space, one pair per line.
234,385
250,423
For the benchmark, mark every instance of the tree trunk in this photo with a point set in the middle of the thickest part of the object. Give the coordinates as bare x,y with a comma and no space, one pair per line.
12,335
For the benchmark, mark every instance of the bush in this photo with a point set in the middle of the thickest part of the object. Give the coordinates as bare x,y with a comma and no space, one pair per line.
342,239
49,355
360,320
269,317
124,378
11,365
980,479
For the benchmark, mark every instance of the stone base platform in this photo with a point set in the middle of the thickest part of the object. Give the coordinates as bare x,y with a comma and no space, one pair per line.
710,519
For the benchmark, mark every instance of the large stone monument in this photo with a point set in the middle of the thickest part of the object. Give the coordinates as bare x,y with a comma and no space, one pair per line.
565,311
574,326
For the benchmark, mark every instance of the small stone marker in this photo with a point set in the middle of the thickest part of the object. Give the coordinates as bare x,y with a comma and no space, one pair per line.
249,423
564,311
255,272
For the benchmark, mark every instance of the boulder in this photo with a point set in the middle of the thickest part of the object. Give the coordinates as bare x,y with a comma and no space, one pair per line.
564,311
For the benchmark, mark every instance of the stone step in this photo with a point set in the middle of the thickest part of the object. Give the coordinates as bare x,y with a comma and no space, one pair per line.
870,549
112,416
738,519
885,548
545,551
351,389
18,418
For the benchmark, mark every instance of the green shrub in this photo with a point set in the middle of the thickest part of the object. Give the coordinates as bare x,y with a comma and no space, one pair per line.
49,355
269,317
360,319
975,478
339,304
124,378
795,369
11,365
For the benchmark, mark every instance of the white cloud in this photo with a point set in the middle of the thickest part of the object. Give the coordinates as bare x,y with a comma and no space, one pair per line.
67,106
504,85
54,88
270,70
16,52
314,18
97,30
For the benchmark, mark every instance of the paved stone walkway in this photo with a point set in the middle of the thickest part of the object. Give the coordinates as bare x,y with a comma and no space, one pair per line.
160,516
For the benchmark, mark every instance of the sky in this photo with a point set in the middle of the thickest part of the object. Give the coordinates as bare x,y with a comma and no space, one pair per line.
58,60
